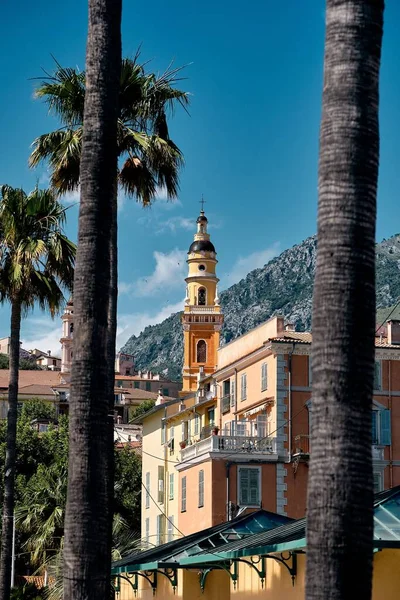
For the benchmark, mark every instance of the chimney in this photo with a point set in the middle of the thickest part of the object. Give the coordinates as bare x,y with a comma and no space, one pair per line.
49,352
160,398
393,331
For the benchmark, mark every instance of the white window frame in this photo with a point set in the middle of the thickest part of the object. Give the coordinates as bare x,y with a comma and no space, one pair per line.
233,392
243,387
147,500
264,376
247,467
196,424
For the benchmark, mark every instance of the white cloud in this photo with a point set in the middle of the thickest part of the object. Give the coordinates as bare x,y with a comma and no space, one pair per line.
245,264
175,223
168,274
42,333
133,324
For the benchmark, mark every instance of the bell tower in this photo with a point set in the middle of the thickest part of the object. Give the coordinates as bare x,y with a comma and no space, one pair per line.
202,318
67,340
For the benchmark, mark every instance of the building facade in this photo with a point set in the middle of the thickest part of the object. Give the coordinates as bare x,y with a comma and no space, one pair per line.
238,438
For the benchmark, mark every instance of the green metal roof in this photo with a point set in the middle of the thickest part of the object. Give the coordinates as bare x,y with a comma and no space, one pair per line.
292,536
208,540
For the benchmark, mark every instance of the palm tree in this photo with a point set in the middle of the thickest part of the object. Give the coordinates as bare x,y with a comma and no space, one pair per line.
88,517
36,261
340,493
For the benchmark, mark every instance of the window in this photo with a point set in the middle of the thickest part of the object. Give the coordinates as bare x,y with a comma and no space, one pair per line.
136,384
162,431
148,386
249,486
378,483
160,484
165,392
201,488
147,490
171,440
262,426
171,486
71,328
264,378
211,416
226,387
202,296
378,375
243,387
196,424
381,429
54,362
201,351
147,529
183,496
170,528
160,529
185,431
202,268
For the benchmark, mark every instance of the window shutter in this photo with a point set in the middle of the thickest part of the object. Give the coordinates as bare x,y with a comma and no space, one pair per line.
160,529
232,392
262,426
147,529
264,381
161,484
243,382
171,486
196,424
385,433
254,492
147,490
183,499
170,528
244,486
162,431
375,439
378,375
201,488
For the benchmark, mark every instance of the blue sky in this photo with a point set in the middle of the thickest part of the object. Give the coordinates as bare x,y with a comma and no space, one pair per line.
250,142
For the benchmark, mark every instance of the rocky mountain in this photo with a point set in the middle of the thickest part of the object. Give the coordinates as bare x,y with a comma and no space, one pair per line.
282,286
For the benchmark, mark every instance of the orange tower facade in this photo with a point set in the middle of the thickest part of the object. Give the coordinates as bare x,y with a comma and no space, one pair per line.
202,318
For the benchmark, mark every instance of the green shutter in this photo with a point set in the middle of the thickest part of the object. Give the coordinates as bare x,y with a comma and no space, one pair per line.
183,499
254,492
378,375
385,433
244,486
201,488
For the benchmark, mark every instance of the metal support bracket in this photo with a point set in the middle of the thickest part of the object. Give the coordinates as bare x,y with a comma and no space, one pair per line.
207,569
253,562
150,576
171,574
292,568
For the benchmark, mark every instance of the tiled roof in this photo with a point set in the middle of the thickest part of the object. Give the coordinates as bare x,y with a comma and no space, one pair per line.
139,378
26,377
36,390
305,337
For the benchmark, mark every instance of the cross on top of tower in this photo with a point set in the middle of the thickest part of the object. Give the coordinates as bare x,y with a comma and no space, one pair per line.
202,202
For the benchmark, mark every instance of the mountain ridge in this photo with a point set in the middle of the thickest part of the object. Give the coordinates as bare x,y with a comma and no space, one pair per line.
283,286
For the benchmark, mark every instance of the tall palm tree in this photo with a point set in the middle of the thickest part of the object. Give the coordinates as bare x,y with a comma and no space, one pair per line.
88,518
36,262
340,493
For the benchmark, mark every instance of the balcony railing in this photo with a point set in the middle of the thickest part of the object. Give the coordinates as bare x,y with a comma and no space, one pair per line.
230,444
202,309
301,446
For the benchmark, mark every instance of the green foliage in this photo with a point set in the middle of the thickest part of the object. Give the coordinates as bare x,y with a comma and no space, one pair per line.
37,409
142,408
4,361
42,474
26,364
27,592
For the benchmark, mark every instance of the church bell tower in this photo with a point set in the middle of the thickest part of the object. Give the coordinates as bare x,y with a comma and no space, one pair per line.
202,318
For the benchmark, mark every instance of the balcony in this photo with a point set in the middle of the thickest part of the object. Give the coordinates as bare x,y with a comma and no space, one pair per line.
231,444
203,309
301,449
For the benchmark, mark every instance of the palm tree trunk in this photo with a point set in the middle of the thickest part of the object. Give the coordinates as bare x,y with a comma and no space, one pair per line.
10,463
340,493
88,520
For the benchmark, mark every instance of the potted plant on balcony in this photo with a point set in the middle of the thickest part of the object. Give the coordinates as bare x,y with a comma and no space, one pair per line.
182,444
215,430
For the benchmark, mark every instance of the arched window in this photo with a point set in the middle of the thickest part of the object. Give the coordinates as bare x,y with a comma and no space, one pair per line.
201,351
71,328
202,296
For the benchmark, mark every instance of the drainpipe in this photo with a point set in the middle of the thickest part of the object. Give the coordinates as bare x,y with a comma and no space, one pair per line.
228,512
391,426
236,393
290,404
